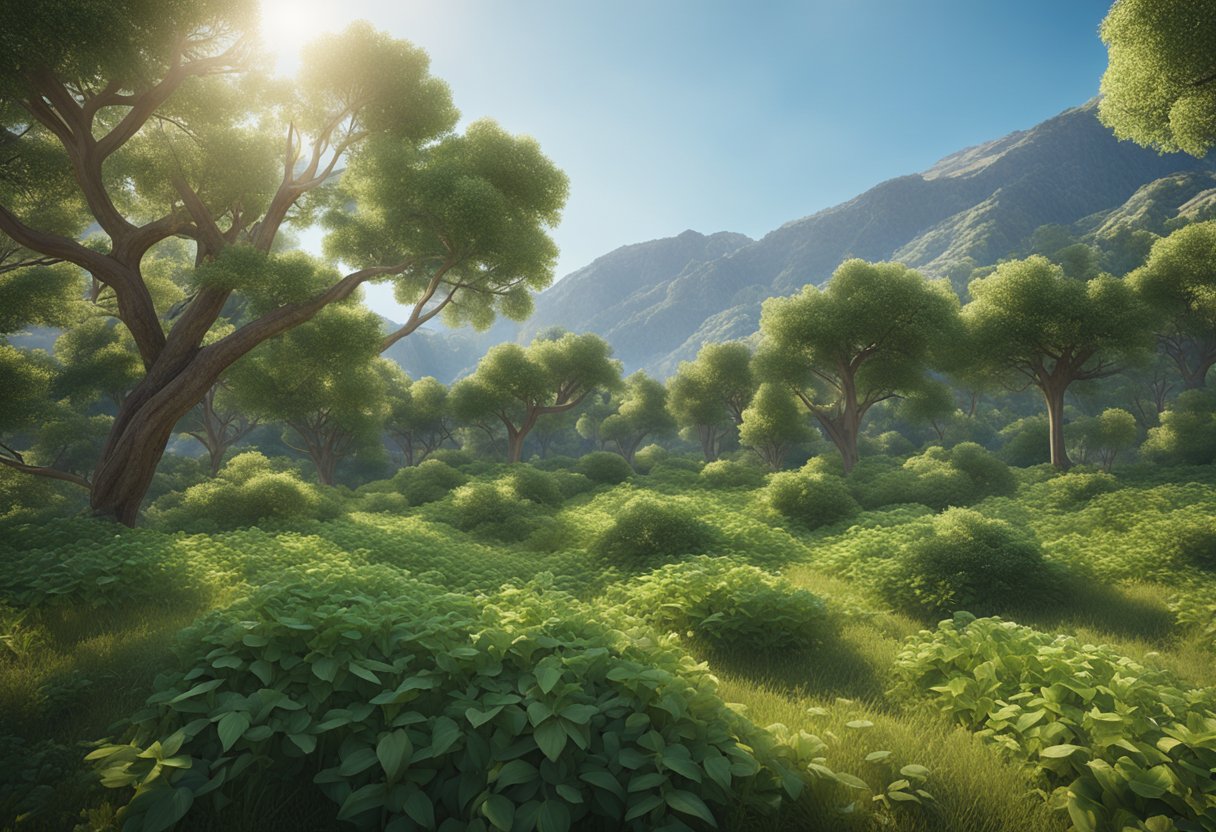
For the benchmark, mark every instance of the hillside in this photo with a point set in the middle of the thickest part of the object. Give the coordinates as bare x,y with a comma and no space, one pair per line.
658,302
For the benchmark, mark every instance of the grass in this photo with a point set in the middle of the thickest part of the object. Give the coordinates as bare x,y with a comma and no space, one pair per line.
69,674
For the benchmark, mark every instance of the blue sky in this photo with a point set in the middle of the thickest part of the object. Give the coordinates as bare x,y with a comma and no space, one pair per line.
714,115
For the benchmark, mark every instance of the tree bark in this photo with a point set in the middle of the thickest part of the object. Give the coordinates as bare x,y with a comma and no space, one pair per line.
1053,396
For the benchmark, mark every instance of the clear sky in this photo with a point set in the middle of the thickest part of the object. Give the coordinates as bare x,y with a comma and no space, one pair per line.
715,115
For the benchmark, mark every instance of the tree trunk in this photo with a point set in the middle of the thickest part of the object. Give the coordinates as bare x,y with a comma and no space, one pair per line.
1053,395
843,432
515,445
709,441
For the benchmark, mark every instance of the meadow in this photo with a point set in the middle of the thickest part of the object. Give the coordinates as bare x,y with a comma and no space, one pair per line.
938,643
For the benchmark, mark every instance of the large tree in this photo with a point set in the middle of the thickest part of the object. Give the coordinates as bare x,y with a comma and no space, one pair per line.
139,125
707,396
1029,322
1159,88
869,336
1179,282
518,386
641,414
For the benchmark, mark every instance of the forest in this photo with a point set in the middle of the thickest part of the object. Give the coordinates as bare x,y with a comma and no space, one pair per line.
930,550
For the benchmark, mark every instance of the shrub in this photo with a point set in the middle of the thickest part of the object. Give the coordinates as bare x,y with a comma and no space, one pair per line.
812,500
556,462
990,477
453,457
1026,442
968,562
492,510
938,478
407,707
1113,742
432,480
1195,542
647,528
1077,487
648,457
603,467
572,484
726,605
725,473
535,486
1187,433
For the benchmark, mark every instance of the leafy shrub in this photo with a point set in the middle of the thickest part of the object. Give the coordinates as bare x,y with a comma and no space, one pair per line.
606,468
968,562
1187,433
1118,745
535,486
247,492
1077,487
813,500
572,484
379,501
453,457
26,499
432,480
1026,442
648,457
725,473
407,707
938,478
557,462
646,529
988,474
727,605
492,510
1195,542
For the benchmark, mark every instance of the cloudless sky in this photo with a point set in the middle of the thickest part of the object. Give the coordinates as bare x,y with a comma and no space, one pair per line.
716,115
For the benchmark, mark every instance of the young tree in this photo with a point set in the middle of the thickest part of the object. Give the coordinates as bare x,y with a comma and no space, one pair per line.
218,424
869,336
642,414
156,123
708,395
1178,281
1159,89
1105,435
518,386
321,380
1029,321
773,425
419,416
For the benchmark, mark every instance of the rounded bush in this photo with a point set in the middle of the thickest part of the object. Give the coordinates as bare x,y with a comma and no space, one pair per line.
967,562
535,486
604,468
432,480
647,528
725,473
1195,543
812,500
492,510
726,605
1077,487
409,708
990,477
246,493
648,457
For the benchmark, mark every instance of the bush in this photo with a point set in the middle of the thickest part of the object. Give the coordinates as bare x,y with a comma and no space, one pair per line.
1078,487
407,707
726,605
1112,741
647,529
938,478
990,477
648,457
1195,542
535,486
725,473
812,500
432,480
572,484
247,492
1187,433
1026,442
604,468
968,562
557,462
492,510
453,457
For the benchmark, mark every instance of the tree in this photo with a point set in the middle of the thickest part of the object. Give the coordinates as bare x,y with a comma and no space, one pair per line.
218,425
1106,434
869,336
773,425
708,395
1178,281
419,416
158,124
1159,88
1029,321
518,386
321,380
642,413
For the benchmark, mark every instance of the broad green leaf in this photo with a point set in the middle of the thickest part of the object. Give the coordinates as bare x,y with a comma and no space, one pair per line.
232,727
690,804
393,751
169,807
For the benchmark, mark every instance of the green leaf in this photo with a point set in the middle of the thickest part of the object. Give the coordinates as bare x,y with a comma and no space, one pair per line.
478,718
606,782
357,761
305,742
643,806
263,669
363,673
394,751
200,688
418,807
325,668
362,800
168,809
553,817
443,735
516,772
1059,751
547,677
550,738
877,756
232,727
499,811
718,768
690,804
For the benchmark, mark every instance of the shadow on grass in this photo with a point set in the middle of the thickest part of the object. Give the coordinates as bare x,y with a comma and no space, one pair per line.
832,669
1106,608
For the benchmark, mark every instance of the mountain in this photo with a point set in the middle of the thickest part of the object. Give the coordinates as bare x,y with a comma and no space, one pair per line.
658,302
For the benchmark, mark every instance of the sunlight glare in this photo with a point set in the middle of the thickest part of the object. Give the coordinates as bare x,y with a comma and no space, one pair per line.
288,25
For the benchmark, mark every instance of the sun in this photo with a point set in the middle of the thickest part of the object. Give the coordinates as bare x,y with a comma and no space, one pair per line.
287,25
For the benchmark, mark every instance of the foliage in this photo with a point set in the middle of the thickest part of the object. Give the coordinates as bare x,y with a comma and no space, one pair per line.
967,562
708,394
772,425
1195,543
726,605
642,413
492,510
406,706
427,482
1102,437
938,478
812,500
1117,745
647,530
729,473
1187,433
604,468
